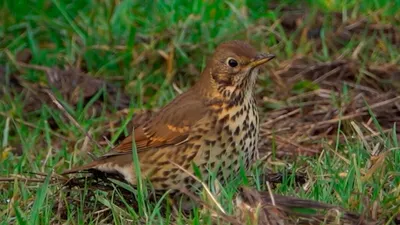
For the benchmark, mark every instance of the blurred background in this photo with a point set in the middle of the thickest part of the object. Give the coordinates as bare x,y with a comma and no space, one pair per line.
334,85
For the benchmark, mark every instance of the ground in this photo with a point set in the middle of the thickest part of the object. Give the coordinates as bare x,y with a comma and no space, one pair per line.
329,105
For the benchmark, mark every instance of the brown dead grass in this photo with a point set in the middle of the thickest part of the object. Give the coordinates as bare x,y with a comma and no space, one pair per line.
303,119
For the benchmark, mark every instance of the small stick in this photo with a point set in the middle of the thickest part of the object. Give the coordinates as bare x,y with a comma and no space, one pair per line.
61,107
281,139
270,194
31,125
281,117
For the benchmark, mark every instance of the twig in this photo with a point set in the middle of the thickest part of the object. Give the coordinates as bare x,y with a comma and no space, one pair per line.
270,194
281,117
61,107
268,132
281,139
379,104
310,93
335,120
12,179
316,67
327,74
34,126
361,87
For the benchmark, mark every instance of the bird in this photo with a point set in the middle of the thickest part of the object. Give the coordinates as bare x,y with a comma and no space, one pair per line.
213,126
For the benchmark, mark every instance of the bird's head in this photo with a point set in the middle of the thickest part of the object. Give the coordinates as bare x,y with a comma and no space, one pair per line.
233,68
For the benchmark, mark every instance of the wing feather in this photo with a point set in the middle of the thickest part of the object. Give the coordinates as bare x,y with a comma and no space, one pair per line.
171,125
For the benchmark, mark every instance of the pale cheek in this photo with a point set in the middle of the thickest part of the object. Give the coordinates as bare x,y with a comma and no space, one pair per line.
254,74
252,77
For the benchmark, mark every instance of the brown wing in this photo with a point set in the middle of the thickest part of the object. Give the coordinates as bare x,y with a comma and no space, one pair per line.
171,125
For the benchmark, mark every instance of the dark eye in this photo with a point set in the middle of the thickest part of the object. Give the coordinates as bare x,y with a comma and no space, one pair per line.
232,62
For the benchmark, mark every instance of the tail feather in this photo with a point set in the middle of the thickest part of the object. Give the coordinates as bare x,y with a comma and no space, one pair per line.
79,169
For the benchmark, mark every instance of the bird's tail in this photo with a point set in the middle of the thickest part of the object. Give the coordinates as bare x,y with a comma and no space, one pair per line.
83,168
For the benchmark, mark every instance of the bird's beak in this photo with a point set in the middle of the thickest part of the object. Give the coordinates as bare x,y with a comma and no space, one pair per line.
261,59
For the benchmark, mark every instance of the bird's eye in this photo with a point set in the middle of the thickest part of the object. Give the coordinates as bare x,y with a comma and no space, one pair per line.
232,62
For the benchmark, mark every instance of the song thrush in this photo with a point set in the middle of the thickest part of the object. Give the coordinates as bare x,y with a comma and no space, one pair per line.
211,125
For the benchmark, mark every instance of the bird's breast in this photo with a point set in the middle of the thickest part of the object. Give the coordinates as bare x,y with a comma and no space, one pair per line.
231,132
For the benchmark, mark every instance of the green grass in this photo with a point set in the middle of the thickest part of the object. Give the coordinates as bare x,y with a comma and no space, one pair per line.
120,43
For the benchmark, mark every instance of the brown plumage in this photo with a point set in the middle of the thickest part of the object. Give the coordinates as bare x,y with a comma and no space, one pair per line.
210,125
